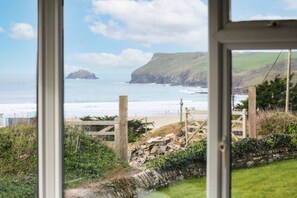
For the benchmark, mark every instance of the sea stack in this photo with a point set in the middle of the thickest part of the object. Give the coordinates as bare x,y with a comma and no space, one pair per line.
81,74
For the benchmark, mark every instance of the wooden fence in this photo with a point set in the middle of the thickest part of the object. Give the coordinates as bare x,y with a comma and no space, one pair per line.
196,124
117,128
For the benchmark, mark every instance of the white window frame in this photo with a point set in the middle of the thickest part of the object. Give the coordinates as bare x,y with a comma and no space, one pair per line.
50,98
225,36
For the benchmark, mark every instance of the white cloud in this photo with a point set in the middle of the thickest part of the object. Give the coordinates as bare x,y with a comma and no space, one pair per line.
1,30
181,22
127,58
22,31
291,4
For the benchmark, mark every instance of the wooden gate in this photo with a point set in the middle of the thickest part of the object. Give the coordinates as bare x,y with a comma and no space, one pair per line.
196,124
118,128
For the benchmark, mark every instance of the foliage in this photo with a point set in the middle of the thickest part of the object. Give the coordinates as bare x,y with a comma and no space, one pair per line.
85,157
271,122
271,95
176,160
136,127
245,148
18,146
275,142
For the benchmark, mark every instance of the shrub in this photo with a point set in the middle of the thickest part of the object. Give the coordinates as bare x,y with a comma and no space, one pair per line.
179,159
270,95
244,148
85,157
270,122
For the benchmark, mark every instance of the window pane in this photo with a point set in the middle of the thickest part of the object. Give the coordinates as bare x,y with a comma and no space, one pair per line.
263,132
18,147
154,53
254,10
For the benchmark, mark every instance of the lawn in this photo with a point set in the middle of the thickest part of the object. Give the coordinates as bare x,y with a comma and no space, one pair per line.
274,180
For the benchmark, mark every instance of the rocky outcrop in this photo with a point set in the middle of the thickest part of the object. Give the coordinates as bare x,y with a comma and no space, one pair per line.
81,74
155,147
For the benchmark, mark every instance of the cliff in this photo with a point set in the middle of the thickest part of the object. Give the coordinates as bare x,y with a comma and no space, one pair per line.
191,68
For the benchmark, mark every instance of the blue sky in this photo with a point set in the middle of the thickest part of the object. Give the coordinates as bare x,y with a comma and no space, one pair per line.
122,34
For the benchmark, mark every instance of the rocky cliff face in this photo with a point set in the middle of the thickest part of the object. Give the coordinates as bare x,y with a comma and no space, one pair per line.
188,69
81,74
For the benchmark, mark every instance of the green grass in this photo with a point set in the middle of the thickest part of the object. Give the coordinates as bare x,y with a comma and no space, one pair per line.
86,159
272,181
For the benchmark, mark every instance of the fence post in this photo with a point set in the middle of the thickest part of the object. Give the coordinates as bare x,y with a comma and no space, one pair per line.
121,140
244,123
145,120
252,111
116,135
181,111
186,126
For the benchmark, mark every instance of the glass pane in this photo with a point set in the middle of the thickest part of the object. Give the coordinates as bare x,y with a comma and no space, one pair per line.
264,132
18,49
254,10
154,55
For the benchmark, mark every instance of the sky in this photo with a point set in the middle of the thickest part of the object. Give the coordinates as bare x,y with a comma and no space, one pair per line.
120,34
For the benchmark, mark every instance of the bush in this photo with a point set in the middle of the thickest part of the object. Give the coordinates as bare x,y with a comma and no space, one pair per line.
244,148
180,159
271,122
85,157
270,95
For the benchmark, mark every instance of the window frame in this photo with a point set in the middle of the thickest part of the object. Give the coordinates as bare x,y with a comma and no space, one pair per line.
50,79
225,36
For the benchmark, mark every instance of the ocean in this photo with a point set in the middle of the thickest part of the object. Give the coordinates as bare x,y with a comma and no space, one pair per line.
100,97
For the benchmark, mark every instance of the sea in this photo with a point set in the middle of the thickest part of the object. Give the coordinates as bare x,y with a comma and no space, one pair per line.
100,97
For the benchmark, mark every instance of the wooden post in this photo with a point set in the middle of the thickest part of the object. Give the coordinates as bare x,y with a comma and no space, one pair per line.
181,111
244,123
288,83
186,127
252,112
116,136
121,141
145,119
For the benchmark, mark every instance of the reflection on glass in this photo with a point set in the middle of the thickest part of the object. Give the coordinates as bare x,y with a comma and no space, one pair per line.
135,97
18,140
253,10
264,132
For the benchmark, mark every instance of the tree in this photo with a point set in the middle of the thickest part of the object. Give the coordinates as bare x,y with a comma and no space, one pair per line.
272,95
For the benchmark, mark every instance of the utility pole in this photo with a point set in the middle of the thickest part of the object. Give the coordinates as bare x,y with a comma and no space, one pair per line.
288,82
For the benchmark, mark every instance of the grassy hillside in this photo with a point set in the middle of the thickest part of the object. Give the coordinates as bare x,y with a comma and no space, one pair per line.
190,68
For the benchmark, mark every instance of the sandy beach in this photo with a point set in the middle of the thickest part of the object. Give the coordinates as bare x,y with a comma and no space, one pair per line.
160,120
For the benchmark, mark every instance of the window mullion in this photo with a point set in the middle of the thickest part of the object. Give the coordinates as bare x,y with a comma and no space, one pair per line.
50,98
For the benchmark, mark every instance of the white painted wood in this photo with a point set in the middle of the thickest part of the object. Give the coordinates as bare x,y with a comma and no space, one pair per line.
50,98
225,36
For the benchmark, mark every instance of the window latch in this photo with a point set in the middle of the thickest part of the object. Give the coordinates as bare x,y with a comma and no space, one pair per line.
222,147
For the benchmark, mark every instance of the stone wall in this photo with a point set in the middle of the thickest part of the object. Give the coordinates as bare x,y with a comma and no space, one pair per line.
150,180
